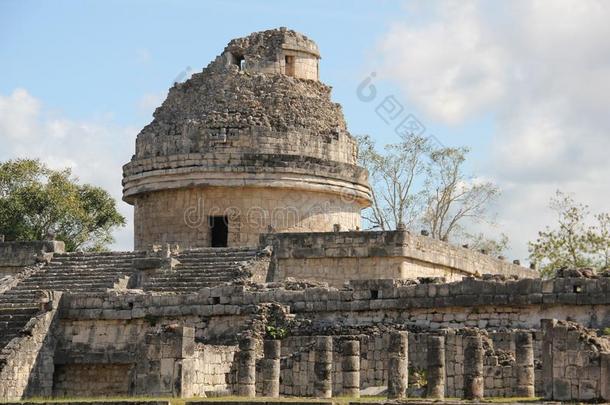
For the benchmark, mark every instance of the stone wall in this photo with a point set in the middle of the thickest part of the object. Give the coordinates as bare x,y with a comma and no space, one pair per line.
272,60
26,363
470,302
181,216
575,362
137,335
117,358
213,369
92,380
14,256
337,257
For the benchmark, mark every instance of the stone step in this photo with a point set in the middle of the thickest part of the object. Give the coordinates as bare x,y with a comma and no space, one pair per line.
205,270
107,263
59,286
186,283
88,265
102,270
208,250
197,275
71,255
16,318
180,288
78,276
229,259
72,277
18,311
12,306
200,277
20,296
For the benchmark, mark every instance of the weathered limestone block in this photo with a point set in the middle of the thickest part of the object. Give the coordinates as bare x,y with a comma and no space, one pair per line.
546,354
524,361
436,367
323,367
246,368
398,365
473,367
350,367
605,377
271,368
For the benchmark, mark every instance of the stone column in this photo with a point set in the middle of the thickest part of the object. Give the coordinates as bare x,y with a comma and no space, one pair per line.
436,367
398,365
350,367
246,368
605,376
524,365
473,367
547,326
271,368
323,387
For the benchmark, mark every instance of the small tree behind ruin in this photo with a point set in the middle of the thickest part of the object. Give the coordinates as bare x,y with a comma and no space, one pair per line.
417,184
577,239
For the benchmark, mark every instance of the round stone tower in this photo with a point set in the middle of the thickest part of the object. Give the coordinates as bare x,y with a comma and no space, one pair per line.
250,145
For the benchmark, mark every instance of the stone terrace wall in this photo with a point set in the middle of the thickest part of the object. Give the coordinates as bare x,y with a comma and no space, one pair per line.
16,255
336,257
26,363
222,311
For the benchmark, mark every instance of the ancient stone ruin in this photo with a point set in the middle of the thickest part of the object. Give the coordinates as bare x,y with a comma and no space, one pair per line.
251,276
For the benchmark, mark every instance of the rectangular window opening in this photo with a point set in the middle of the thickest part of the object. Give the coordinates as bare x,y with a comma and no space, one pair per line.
289,69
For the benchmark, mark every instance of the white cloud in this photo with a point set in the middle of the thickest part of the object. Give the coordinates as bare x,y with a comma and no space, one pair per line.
542,68
17,115
95,150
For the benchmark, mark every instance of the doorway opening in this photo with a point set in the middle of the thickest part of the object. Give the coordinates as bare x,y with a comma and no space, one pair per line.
219,231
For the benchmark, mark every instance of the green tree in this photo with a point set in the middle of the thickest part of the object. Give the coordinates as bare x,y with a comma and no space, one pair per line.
576,241
36,201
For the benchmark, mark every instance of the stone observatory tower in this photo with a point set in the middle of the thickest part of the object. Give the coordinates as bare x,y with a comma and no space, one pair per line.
252,144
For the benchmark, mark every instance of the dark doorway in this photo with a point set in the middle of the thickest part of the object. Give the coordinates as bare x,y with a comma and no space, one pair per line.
219,230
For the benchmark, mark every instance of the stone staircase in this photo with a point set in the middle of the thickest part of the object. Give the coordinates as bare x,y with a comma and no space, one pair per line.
205,267
67,272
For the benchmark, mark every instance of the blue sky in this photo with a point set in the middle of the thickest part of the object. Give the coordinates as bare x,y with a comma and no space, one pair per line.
93,58
520,83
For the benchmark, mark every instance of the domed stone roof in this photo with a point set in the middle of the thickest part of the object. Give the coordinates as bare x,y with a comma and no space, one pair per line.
257,115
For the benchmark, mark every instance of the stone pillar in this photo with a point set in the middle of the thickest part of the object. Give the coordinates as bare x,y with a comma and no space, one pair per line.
271,368
605,376
473,367
524,365
246,368
398,365
547,326
436,367
323,387
350,367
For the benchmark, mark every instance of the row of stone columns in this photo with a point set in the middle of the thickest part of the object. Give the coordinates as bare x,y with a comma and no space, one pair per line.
398,367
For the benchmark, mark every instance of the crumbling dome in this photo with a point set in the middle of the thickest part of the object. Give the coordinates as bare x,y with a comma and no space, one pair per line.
253,143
